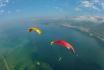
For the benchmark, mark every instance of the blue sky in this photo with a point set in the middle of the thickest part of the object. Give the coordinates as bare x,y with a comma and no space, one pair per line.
50,8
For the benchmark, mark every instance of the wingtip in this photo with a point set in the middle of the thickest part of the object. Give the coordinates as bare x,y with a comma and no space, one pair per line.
51,43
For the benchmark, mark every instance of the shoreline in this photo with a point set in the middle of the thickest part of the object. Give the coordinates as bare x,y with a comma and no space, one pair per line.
86,31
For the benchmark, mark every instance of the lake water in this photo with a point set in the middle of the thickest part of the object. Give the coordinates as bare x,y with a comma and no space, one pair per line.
29,51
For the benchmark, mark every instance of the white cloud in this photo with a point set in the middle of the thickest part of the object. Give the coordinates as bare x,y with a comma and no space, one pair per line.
102,4
96,8
87,4
97,5
3,3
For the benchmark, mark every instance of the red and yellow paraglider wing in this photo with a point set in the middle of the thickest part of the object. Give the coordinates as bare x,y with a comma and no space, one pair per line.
35,29
30,30
63,43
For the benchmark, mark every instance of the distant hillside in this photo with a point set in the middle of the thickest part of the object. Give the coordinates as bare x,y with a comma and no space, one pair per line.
99,28
98,31
95,19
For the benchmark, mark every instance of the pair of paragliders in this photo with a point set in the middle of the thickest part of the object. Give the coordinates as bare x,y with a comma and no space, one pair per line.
59,42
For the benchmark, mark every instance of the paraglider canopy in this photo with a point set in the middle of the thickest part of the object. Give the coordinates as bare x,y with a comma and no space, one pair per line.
63,43
35,29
